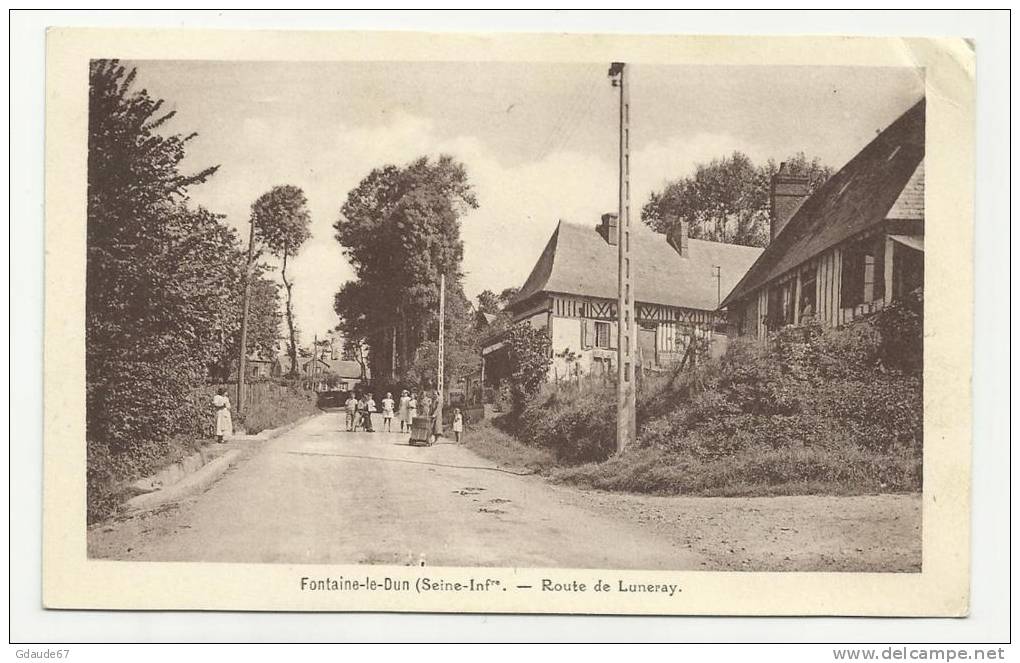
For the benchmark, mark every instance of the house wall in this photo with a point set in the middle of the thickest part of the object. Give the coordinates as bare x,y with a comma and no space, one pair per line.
537,315
572,326
834,270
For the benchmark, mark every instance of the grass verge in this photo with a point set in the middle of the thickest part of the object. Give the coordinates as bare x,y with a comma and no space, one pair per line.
506,450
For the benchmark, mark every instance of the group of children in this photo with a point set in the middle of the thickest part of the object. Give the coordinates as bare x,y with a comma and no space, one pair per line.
359,412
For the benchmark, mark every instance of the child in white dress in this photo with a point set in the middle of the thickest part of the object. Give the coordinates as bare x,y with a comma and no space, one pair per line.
387,412
458,425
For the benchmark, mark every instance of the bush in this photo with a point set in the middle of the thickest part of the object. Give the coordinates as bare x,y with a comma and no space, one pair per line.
530,355
108,474
814,410
901,327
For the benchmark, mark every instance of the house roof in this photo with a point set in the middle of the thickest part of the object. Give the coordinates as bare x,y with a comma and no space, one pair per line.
884,181
578,261
342,367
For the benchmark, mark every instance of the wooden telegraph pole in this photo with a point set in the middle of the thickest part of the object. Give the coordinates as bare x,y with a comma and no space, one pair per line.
626,394
440,354
241,360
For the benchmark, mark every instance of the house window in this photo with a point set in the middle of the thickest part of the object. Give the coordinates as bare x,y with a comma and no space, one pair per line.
601,334
863,278
780,305
808,304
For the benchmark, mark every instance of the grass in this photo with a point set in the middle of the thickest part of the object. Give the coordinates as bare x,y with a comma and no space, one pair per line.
490,442
751,473
814,412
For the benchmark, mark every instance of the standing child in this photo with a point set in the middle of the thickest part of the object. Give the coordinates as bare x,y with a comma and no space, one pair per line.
352,411
224,424
369,409
387,412
359,419
458,424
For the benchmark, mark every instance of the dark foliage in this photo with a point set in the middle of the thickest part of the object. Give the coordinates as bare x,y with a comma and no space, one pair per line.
400,229
161,287
726,200
529,354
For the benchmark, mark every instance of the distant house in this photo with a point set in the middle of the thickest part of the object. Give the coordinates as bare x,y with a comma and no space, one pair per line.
256,367
484,321
853,246
316,370
572,292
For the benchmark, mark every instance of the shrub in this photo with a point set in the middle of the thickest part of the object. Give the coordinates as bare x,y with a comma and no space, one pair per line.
576,426
901,326
529,354
816,410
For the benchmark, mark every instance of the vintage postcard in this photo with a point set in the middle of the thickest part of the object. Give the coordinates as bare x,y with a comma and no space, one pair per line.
508,323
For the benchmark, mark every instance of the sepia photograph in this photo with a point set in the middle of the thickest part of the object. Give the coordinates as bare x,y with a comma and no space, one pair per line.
517,333
420,263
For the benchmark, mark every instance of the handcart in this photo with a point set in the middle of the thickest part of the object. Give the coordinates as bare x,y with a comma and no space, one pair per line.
421,432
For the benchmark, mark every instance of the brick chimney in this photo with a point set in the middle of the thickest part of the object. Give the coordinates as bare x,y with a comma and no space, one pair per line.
609,228
787,193
677,238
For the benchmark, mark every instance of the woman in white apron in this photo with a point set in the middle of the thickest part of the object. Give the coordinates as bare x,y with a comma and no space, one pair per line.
224,424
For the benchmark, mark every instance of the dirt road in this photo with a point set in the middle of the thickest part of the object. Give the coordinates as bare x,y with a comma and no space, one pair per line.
318,494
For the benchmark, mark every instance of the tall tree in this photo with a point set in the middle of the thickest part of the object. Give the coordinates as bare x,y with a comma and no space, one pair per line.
281,221
400,230
726,200
158,273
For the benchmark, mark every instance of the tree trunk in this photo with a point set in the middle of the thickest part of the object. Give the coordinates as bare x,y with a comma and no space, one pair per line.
292,349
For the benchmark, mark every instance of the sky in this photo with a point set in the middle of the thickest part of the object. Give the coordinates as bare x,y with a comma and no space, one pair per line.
538,140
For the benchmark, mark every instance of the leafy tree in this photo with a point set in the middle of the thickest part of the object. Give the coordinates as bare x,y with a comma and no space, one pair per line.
461,355
400,231
495,305
726,200
281,222
529,353
488,302
507,296
158,275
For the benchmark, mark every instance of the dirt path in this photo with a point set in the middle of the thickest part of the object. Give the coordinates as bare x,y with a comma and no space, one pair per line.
320,495
875,533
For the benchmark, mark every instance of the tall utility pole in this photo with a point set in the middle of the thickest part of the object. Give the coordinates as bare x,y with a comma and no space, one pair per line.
244,318
442,342
626,394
